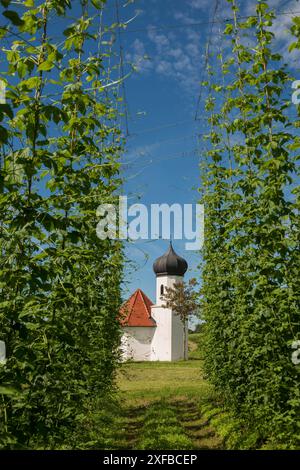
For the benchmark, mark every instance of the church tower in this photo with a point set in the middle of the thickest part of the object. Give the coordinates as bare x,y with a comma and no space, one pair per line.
168,340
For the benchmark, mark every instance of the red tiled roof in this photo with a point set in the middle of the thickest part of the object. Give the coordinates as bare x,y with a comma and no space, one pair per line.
136,311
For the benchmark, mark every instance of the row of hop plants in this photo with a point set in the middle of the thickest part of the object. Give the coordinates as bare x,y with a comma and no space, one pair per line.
250,189
59,283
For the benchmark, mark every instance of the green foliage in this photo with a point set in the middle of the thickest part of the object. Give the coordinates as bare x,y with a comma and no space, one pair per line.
251,259
59,284
101,427
235,432
296,33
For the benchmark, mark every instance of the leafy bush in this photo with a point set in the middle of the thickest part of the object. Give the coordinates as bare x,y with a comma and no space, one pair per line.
251,299
59,283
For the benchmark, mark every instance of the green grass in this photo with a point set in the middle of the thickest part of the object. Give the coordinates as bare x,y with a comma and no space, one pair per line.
166,405
161,403
195,346
153,380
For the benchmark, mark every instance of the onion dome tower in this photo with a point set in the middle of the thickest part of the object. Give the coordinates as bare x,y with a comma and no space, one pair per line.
170,264
168,343
169,268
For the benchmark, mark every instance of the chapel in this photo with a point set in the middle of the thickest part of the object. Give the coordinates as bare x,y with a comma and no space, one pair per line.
152,332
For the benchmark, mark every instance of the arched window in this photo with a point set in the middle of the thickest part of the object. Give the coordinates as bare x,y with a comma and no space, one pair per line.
162,289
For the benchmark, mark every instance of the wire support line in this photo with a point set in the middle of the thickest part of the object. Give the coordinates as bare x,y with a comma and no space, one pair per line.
122,68
202,23
207,52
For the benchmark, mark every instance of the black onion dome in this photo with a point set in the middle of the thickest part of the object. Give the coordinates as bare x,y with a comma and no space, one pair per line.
170,263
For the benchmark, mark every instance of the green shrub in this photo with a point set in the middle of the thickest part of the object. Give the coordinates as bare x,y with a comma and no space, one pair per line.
250,188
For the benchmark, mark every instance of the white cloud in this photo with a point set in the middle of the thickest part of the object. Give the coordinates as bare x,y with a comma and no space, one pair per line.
164,68
176,53
183,17
180,53
192,49
172,55
179,58
199,4
160,40
138,56
277,5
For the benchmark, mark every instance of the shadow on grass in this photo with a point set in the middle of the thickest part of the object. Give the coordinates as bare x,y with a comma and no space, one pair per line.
175,424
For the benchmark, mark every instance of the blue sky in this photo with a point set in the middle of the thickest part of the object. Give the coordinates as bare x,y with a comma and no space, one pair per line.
162,147
166,41
162,141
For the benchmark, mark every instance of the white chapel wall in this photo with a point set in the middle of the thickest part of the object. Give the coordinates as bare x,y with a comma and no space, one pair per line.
136,343
166,281
178,339
168,341
162,339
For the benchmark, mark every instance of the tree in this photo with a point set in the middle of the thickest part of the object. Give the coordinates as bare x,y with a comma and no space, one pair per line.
183,300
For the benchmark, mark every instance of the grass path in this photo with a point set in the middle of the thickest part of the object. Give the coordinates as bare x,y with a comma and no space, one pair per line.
148,427
161,405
